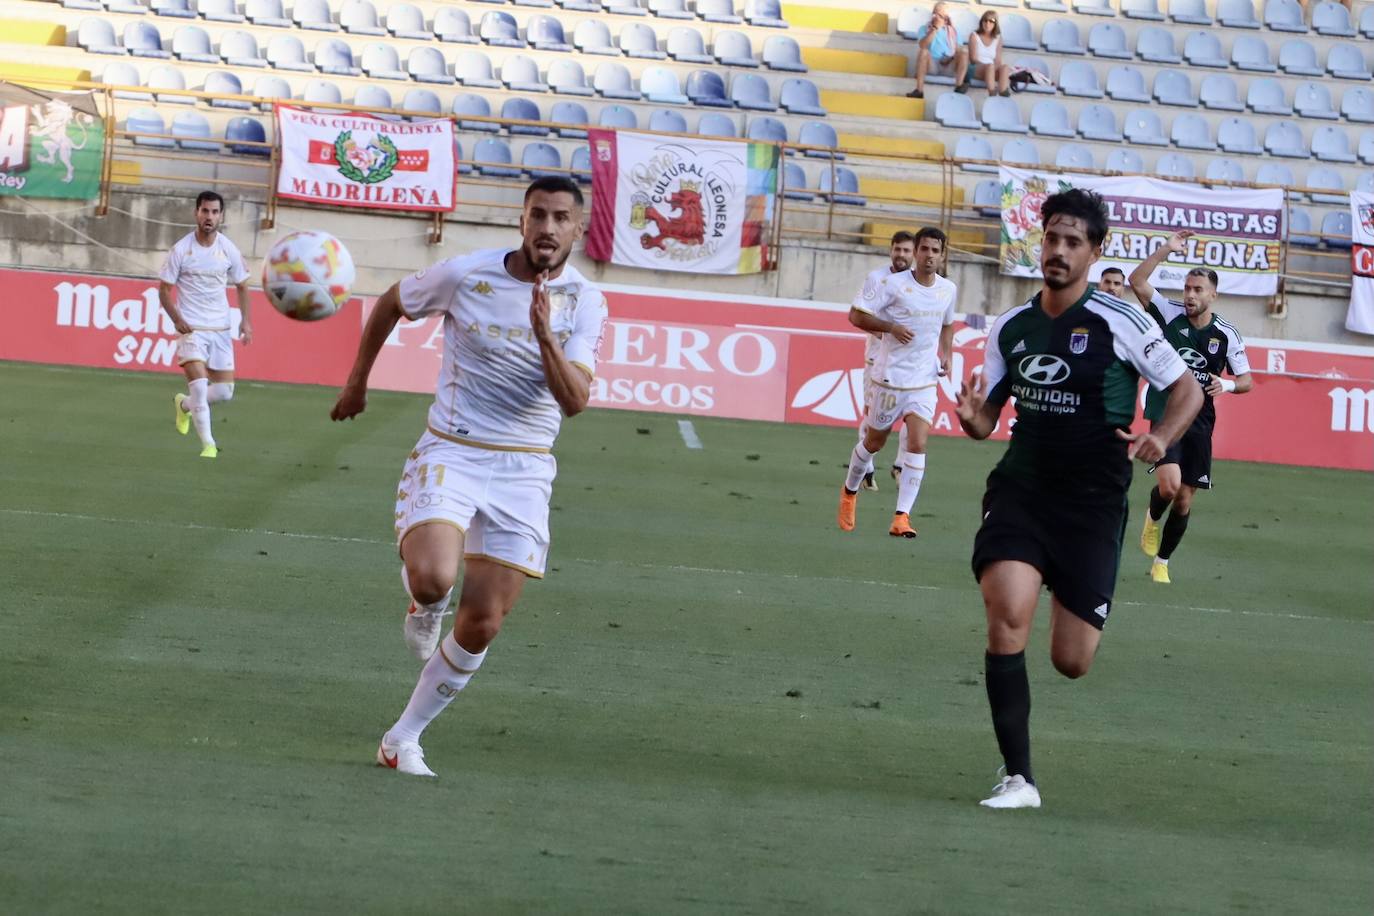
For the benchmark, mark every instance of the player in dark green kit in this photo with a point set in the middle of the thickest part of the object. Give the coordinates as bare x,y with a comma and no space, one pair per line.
1055,507
1208,345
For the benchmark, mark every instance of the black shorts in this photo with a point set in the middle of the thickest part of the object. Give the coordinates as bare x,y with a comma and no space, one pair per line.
1193,455
1076,545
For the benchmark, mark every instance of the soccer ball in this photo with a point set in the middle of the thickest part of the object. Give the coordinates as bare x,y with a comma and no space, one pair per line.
308,275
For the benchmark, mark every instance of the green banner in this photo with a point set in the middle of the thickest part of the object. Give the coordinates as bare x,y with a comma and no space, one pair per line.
51,143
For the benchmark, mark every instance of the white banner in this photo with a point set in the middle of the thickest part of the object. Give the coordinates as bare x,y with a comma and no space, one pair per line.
1360,318
1238,232
354,160
677,203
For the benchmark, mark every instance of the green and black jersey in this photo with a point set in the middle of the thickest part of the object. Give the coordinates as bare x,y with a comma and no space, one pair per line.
1207,351
1075,379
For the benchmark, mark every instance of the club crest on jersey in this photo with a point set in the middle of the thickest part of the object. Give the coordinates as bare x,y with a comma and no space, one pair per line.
482,287
1078,341
1213,345
560,299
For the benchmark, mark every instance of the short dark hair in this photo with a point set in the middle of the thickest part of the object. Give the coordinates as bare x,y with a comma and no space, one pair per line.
1079,204
1205,272
901,235
553,184
1114,270
930,232
204,196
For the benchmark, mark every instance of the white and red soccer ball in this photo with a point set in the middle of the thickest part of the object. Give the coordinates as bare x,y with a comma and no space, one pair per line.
308,275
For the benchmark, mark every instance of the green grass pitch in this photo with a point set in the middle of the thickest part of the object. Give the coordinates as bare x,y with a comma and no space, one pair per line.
716,703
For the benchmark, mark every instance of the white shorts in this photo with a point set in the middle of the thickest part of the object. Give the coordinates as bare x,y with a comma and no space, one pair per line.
214,348
891,405
499,500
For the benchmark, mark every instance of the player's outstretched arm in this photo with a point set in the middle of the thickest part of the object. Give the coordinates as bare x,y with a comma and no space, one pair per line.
385,313
977,415
570,385
245,319
1185,400
1140,277
1241,384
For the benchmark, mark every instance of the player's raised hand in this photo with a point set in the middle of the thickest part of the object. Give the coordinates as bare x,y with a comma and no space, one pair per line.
539,307
1146,447
1214,387
352,401
973,394
1178,241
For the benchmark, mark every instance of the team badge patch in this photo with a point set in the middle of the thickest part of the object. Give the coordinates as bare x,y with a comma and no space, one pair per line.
1213,345
1078,341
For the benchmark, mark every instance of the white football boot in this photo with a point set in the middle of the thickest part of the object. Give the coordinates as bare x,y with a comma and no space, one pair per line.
1012,792
403,758
423,630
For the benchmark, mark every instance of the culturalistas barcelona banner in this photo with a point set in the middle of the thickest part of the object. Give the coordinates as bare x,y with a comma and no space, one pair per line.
355,160
1237,231
677,203
51,143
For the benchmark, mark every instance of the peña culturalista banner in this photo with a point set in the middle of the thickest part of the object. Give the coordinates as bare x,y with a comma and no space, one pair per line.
51,143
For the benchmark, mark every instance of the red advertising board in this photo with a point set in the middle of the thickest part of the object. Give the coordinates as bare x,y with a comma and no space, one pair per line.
683,353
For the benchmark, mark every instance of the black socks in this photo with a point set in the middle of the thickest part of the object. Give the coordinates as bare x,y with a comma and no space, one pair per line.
1009,697
1157,505
1173,533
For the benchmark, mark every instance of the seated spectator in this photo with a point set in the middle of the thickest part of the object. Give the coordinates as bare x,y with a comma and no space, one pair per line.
985,50
938,47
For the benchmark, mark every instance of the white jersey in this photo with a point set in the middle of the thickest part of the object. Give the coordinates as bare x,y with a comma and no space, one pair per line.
874,341
201,273
925,310
492,392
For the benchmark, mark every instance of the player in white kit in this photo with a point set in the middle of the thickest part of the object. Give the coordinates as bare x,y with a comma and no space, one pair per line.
902,251
522,332
914,311
200,267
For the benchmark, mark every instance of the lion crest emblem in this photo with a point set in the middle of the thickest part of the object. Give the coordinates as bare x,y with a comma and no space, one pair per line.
51,127
687,227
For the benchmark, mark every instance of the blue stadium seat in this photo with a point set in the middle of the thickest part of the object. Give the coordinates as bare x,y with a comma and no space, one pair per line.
370,96
1156,45
181,9
1365,183
404,20
781,52
1299,58
285,52
545,33
1266,97
1285,139
612,80
1219,93
670,9
910,20
1336,229
219,11
1002,115
1172,87
1313,100
1017,33
191,43
427,65
568,78
707,87
222,82
1365,149
845,190
638,40
313,14
1251,53
1328,184
1190,131
668,121
454,25
1331,144
1060,36
540,160
721,11
142,39
591,36
521,74
380,61
799,95
1343,61
1203,49
749,90
1018,151
1367,21
766,13
581,6
473,68
1142,128
472,105
499,29
733,49
1236,135
972,146
1237,14
1038,64
422,101
1049,118
1300,228
1175,165
164,78
1276,173
1225,170
766,130
1074,156
715,124
243,131
1332,19
492,157
794,182
1093,8
335,57
460,162
1097,122
1045,6
1357,104
686,46
1127,84
1107,39
618,117
953,109
822,136
1124,160
322,91
122,73
542,4
193,132
518,108
581,164
266,13
359,17
1079,78
130,7
1283,16
267,88
987,196
1141,9
1189,12
625,7
573,118
659,84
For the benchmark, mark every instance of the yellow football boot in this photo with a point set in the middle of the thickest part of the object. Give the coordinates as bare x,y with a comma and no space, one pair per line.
183,419
1159,572
1149,537
209,451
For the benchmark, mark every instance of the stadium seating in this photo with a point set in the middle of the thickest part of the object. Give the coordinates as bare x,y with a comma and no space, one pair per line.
781,52
454,25
1141,9
285,52
1275,173
1336,229
222,82
987,197
715,124
638,40
765,13
473,68
618,117
1018,151
1331,186
1237,14
370,96
794,182
668,121
1143,128
1049,118
521,74
240,49
1093,8
192,43
1017,34
845,189
192,131
1097,122
380,61
1300,228
1251,53
1313,100
1365,150
142,39
1266,97
1107,39
165,81
518,108
1283,16
670,9
593,37
121,73
427,65
1079,78
473,105
1190,131
1343,61
1172,87
313,14
243,135
180,9
322,91
799,95
267,88
219,11
1357,104
1203,49
1060,36
1124,160
1189,12
972,146
570,119
1127,84
545,33
1175,165
1003,115
660,84
1331,144
613,81
719,11
1298,58
492,156
686,46
499,29
750,91
359,17
733,49
707,87
955,110
1156,45
1074,156
335,57
266,13
404,20
1225,170
1219,93
568,78
766,130
581,164
422,100
540,160
1367,21
1284,138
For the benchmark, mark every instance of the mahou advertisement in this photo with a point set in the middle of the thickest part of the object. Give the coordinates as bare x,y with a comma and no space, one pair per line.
684,353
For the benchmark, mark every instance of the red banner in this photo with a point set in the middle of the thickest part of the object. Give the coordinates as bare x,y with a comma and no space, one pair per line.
743,357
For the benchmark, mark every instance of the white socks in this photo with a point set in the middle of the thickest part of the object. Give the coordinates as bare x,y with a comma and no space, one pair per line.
447,672
198,406
859,463
863,434
221,391
913,467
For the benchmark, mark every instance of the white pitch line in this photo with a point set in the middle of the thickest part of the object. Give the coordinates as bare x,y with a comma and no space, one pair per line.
666,567
689,434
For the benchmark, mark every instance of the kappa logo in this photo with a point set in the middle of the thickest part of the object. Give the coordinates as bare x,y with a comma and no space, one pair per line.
1019,348
1193,358
1043,369
837,394
482,287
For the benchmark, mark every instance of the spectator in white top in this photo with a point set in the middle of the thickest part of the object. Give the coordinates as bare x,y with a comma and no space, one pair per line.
938,47
985,50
